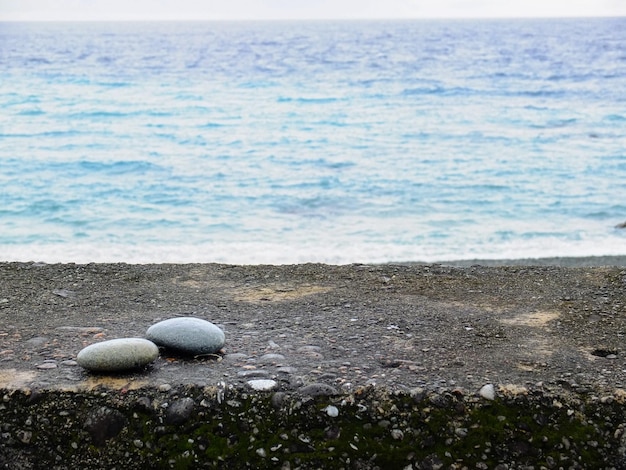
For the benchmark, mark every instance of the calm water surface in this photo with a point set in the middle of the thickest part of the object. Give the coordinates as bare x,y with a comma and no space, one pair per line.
289,142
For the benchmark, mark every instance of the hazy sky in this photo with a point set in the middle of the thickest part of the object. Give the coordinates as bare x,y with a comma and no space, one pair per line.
299,9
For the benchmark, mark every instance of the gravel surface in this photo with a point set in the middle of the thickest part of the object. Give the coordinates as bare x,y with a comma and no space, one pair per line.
397,326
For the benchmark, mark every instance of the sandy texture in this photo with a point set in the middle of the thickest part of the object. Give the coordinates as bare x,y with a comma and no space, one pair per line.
397,326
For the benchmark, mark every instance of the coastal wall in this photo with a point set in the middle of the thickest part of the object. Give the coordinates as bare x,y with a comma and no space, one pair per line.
359,366
191,427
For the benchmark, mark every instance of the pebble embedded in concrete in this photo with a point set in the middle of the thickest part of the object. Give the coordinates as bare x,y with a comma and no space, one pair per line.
252,373
187,335
272,358
118,355
488,392
180,411
48,365
318,389
262,385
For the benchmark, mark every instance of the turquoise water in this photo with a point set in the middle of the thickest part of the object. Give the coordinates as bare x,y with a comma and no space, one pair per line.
289,142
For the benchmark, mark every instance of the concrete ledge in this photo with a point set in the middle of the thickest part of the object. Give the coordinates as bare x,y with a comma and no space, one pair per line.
361,367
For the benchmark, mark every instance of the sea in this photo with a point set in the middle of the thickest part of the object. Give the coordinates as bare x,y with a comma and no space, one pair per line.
312,141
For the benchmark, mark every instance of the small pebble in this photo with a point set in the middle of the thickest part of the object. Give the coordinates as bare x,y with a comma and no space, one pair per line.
318,389
308,349
37,342
252,373
118,354
488,392
64,293
47,365
262,385
180,411
81,329
331,411
25,436
271,358
187,335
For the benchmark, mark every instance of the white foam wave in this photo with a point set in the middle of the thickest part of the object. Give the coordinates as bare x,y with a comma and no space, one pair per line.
275,253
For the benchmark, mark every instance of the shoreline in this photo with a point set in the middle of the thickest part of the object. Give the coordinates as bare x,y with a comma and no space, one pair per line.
554,261
558,261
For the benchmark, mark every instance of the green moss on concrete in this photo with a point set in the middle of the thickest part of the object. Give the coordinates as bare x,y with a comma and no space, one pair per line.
373,429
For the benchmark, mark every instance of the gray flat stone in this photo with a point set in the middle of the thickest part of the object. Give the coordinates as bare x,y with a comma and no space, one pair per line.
118,355
187,335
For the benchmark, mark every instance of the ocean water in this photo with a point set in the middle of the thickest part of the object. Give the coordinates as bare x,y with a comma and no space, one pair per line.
290,142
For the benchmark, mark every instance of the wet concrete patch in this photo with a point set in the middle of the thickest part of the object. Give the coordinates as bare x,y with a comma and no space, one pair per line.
276,293
12,379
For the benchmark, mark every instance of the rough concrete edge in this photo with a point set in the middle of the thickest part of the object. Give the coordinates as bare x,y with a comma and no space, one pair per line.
225,426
